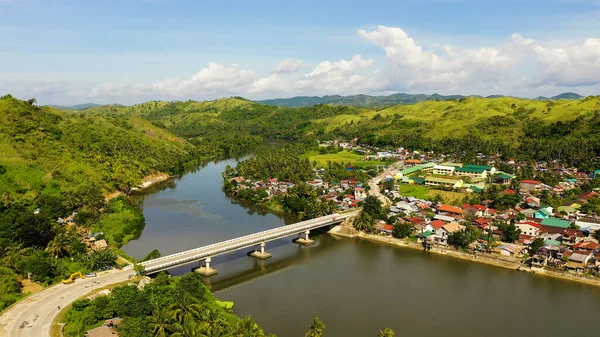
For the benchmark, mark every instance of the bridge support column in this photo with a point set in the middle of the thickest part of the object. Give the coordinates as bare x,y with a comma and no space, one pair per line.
260,253
306,240
205,268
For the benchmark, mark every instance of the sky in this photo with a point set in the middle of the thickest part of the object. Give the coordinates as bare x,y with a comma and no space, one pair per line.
130,51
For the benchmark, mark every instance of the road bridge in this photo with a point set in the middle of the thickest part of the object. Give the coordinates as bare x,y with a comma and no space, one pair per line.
256,240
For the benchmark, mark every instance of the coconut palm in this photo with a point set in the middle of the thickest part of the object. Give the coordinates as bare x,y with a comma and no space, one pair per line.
246,327
316,328
184,305
188,327
60,245
160,322
387,332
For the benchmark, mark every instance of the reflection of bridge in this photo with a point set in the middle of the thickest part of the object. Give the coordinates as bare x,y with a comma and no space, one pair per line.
256,240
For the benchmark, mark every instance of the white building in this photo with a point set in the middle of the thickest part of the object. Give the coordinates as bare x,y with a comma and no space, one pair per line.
443,170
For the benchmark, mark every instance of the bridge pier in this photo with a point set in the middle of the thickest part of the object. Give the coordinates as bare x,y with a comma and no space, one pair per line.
306,240
205,268
260,253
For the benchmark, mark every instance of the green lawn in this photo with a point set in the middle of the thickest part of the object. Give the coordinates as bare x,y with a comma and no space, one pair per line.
424,192
346,157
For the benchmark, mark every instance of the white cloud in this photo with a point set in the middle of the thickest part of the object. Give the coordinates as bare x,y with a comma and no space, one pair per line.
567,66
216,78
444,68
288,66
339,77
270,84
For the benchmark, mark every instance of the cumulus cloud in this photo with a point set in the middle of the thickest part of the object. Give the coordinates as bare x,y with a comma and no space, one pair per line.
288,66
568,66
446,67
343,76
270,84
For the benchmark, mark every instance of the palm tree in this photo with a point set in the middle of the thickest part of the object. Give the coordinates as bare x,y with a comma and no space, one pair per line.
246,327
184,305
387,332
60,245
316,328
189,327
159,322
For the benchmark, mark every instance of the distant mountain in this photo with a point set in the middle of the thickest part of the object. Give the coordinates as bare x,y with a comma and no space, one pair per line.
564,95
358,100
76,107
367,101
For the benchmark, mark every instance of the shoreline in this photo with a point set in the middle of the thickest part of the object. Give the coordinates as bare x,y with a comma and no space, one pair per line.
492,260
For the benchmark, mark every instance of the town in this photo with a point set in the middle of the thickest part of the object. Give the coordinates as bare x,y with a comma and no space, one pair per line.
472,207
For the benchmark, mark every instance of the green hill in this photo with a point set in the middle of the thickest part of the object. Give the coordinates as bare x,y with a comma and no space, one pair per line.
50,152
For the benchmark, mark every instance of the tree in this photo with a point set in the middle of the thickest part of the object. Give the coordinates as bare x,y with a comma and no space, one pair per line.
315,328
160,322
536,244
372,206
462,239
387,332
364,222
402,230
188,327
154,254
510,232
134,326
247,327
597,235
185,305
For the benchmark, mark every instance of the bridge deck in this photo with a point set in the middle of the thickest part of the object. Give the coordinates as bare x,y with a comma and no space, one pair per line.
197,254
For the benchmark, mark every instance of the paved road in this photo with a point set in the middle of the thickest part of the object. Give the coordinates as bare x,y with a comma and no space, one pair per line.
33,316
374,189
224,247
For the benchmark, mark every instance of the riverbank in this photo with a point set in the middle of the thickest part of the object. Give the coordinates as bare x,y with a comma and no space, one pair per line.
493,260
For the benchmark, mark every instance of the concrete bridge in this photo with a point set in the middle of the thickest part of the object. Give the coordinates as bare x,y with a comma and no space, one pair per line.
257,241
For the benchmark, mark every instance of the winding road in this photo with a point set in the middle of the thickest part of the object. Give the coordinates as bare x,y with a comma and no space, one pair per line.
33,316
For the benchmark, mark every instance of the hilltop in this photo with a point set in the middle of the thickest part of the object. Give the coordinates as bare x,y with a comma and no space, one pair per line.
44,151
367,101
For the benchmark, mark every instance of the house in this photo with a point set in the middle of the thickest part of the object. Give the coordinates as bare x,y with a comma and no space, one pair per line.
529,228
589,246
387,229
452,227
433,226
508,250
360,194
578,260
100,245
412,162
572,236
443,218
533,202
528,185
450,209
543,213
554,222
503,178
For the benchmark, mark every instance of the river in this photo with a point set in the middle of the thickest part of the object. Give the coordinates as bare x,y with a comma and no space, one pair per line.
356,287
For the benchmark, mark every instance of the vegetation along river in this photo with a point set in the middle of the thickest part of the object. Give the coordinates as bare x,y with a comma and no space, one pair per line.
356,287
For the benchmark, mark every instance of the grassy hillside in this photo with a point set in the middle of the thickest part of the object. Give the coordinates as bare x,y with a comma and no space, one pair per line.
47,151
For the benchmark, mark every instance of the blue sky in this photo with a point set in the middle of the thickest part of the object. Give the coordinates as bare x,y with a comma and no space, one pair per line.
128,51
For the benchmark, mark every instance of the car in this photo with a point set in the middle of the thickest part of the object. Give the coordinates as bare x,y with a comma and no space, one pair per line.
90,275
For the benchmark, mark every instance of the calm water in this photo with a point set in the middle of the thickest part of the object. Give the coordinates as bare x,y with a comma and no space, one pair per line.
356,287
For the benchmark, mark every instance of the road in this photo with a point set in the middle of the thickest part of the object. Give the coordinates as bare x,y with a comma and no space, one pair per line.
33,316
374,188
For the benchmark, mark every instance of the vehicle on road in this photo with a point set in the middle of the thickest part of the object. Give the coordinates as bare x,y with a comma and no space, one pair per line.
90,275
72,277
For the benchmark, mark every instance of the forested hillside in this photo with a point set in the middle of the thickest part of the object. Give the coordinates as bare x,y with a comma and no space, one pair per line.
529,129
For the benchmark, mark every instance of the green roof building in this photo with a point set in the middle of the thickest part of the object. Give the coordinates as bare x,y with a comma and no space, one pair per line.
554,222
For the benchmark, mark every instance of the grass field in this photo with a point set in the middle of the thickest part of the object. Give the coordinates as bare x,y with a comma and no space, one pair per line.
346,157
424,192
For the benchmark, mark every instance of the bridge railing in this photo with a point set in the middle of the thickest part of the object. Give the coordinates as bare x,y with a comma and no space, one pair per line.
292,226
243,241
